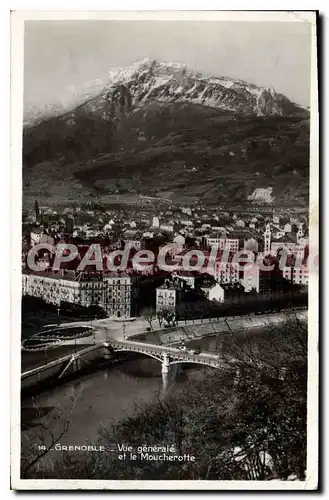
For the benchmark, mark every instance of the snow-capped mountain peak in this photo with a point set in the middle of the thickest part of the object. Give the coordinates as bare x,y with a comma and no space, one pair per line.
151,80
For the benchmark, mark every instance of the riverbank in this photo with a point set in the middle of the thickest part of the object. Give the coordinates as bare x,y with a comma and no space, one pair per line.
150,331
96,401
186,334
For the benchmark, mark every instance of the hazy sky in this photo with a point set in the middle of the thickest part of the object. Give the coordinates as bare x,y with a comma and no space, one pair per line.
59,54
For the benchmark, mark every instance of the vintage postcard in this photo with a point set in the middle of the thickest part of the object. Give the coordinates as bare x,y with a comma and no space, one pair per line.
165,250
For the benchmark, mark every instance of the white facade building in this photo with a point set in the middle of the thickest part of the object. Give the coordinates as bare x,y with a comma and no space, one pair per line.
136,244
227,272
167,227
293,245
267,239
251,275
38,236
223,243
166,298
216,293
297,275
155,222
114,294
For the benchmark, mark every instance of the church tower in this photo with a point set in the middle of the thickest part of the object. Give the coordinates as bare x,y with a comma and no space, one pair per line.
37,211
300,233
267,239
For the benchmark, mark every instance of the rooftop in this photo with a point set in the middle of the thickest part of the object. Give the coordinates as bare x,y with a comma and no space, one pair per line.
287,238
171,285
63,274
234,287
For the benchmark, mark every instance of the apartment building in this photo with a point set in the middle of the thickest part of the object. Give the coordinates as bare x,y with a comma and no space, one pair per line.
115,293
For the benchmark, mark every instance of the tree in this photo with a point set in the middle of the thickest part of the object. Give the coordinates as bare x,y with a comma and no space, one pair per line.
272,394
160,318
168,315
149,315
96,311
41,434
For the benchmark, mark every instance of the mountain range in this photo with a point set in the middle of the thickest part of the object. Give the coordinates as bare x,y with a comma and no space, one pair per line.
161,129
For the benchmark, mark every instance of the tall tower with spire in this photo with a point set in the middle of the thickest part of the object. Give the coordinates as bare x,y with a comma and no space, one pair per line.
300,233
267,239
37,211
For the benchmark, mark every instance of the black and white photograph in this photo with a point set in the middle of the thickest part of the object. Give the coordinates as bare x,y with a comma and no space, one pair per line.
166,239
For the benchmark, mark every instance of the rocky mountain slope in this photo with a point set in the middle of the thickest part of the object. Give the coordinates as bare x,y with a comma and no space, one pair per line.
162,129
149,80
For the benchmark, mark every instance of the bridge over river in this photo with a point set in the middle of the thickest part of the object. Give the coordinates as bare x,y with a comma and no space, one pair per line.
158,345
71,363
166,355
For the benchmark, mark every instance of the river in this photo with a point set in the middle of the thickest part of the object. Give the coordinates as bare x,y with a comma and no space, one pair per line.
96,400
101,397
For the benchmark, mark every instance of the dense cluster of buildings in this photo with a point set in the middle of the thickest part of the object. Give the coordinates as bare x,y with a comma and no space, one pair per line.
186,228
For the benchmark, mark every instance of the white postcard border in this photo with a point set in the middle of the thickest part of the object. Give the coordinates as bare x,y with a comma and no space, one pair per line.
17,47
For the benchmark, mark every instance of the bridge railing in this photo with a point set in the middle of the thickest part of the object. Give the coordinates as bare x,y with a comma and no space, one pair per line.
61,360
176,353
150,347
